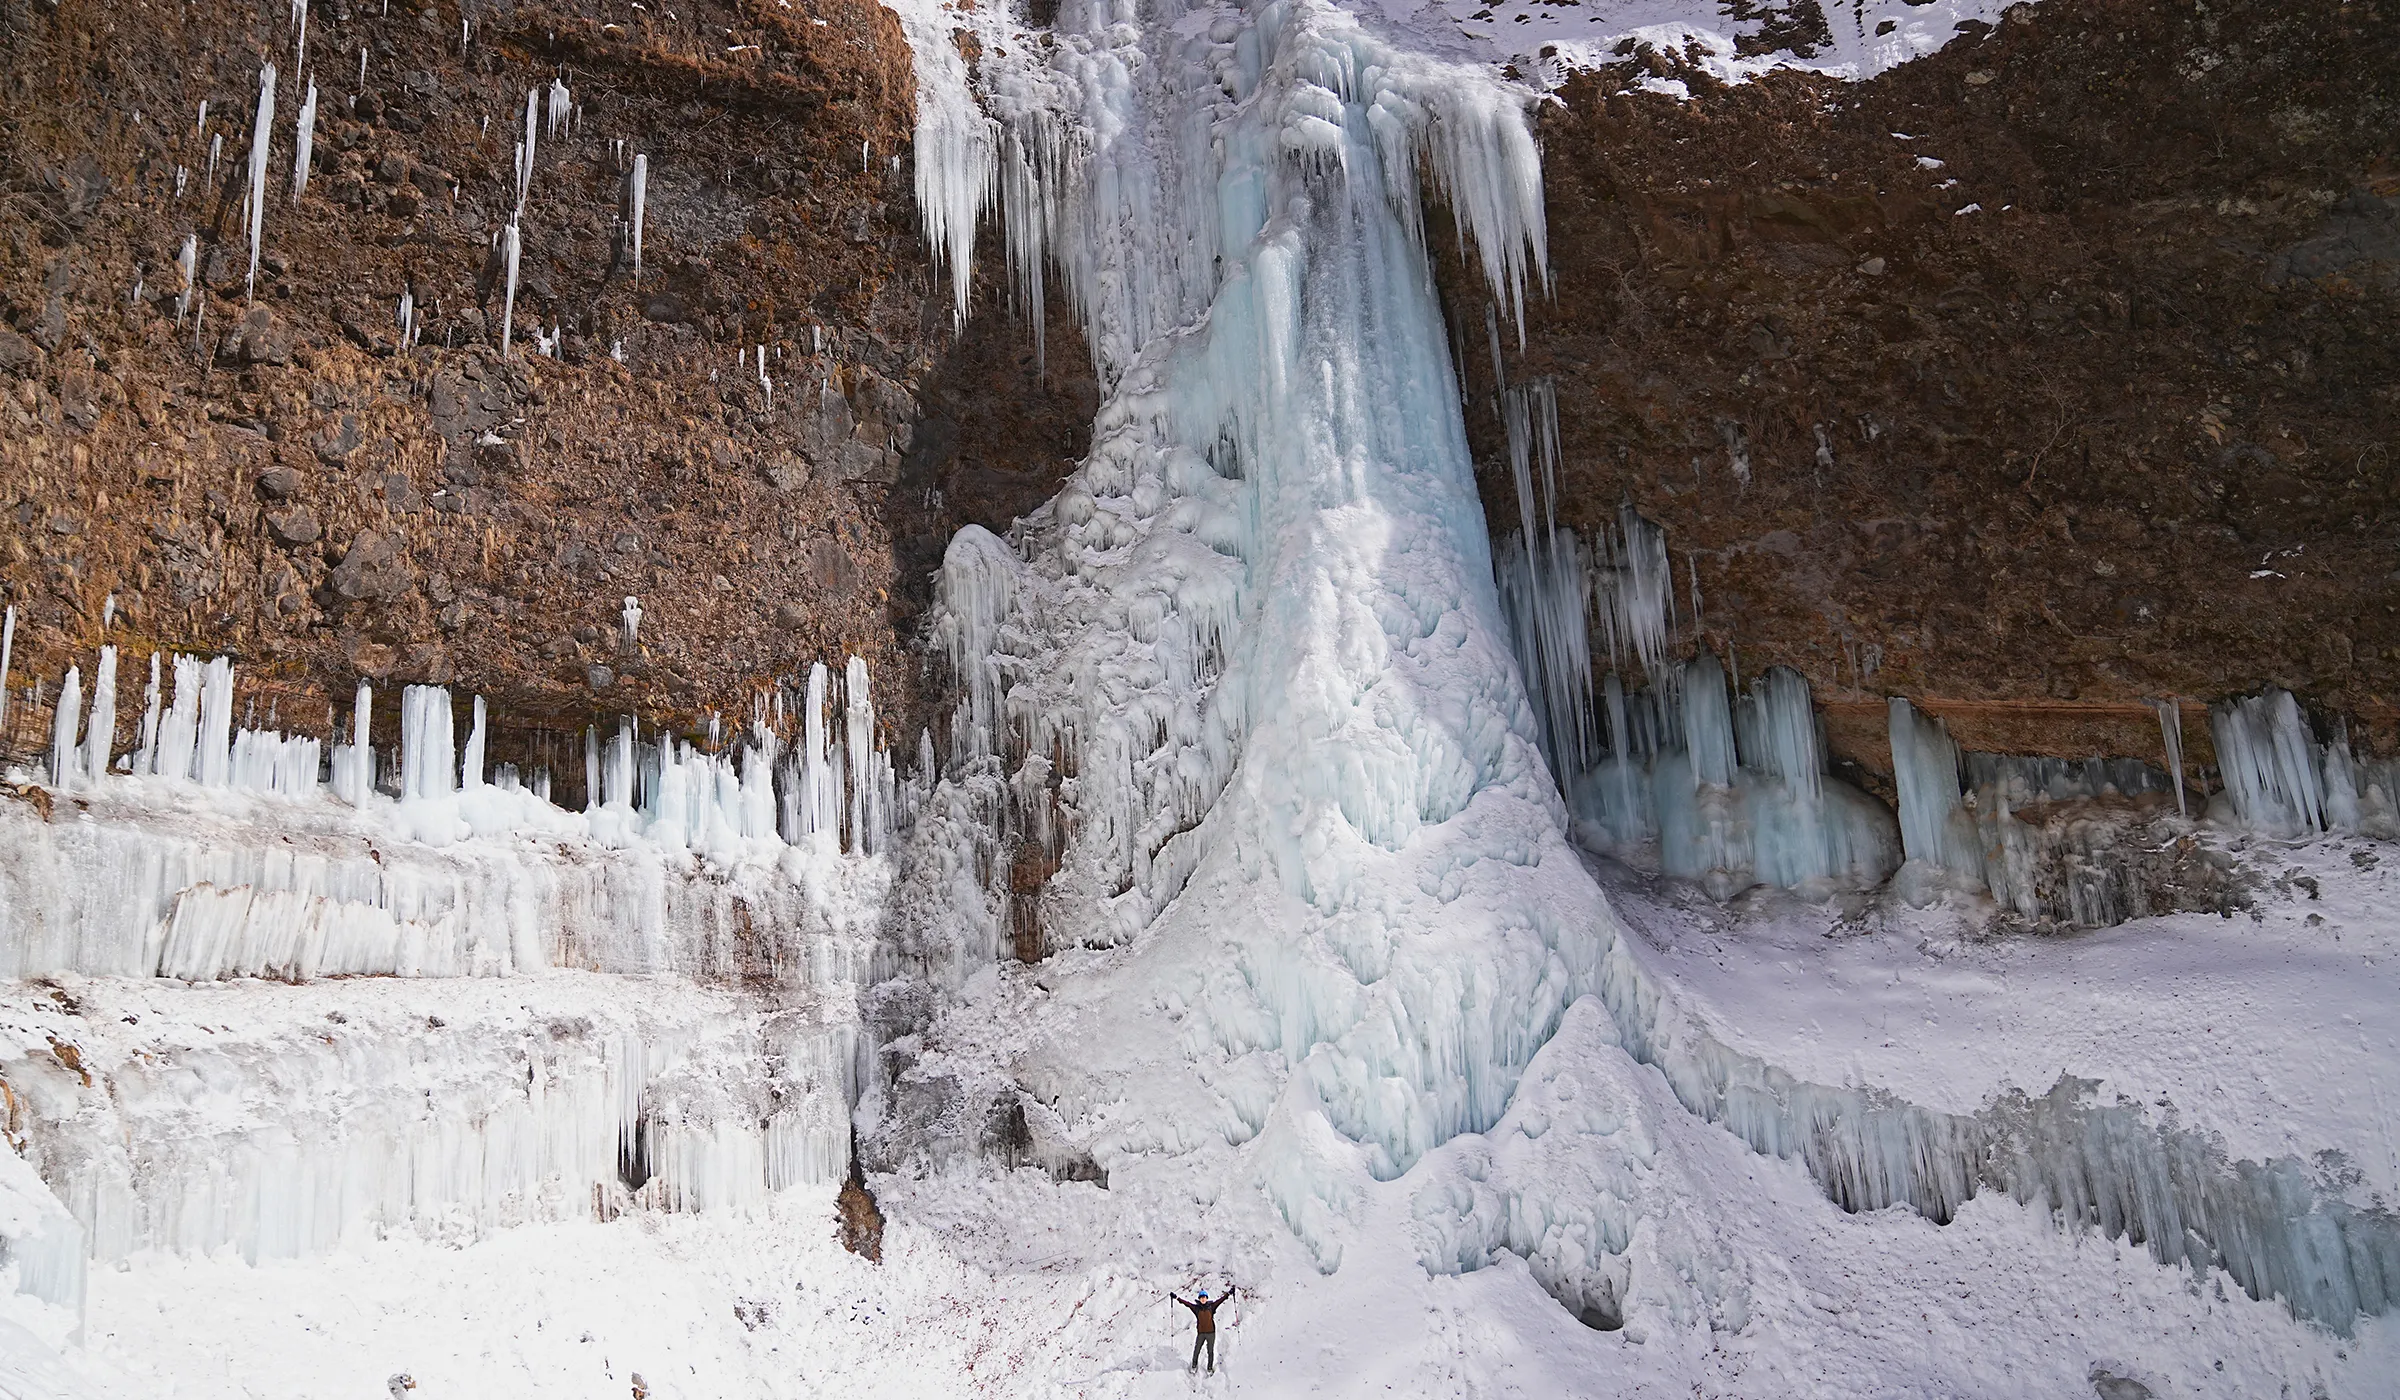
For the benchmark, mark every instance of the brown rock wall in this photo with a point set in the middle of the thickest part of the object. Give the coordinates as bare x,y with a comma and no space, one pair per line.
272,472
2086,390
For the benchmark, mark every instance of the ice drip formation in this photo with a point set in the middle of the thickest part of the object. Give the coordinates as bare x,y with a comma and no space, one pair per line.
1243,904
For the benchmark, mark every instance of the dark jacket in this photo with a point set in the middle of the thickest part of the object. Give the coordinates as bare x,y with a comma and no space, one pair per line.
1204,1312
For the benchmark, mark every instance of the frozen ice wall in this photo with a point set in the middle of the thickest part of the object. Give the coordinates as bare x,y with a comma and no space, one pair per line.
2282,780
1729,790
220,853
280,1121
2288,1229
286,954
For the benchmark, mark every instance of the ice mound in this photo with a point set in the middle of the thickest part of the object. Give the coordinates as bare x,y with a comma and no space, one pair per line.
40,1243
1241,698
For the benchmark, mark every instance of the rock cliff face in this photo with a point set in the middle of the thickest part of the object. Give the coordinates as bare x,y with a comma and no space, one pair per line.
2050,372
2043,375
273,464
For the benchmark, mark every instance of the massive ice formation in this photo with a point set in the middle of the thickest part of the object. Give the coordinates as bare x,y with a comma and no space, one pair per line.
1247,678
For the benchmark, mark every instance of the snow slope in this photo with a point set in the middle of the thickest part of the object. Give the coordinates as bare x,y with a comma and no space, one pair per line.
2276,1030
1729,41
972,1298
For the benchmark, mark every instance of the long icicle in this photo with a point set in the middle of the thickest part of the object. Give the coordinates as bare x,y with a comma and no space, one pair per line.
308,133
261,137
8,646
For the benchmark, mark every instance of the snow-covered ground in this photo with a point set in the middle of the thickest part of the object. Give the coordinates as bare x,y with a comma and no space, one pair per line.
1010,1284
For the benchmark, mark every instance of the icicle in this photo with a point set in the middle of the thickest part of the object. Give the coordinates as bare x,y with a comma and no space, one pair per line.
362,65
66,761
354,762
179,733
100,733
145,758
510,246
2170,732
533,100
1934,827
213,763
957,149
620,767
300,42
631,619
636,187
8,647
820,807
308,134
427,758
758,784
187,259
1786,740
561,104
470,764
860,745
200,127
261,133
1707,722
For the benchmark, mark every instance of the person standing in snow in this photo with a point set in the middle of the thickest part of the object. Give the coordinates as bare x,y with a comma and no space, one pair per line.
1204,1321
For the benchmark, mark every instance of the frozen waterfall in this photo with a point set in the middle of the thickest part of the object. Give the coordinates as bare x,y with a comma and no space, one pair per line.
1241,704
1248,675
